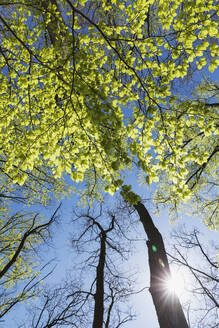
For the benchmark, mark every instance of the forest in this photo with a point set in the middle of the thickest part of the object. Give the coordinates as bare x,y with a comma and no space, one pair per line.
108,140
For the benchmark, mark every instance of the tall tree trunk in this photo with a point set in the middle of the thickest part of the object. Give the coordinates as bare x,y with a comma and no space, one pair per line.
99,295
56,33
168,308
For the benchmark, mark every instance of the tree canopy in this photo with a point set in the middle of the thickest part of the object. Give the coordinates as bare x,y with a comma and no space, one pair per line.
86,89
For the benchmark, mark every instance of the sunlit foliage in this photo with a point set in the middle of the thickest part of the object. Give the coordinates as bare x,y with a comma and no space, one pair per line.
86,86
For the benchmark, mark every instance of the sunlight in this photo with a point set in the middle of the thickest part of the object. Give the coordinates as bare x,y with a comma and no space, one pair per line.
175,284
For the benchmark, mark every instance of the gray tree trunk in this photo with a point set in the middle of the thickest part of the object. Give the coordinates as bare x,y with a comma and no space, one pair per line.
168,308
99,295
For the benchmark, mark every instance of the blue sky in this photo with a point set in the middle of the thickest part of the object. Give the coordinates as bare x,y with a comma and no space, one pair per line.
65,258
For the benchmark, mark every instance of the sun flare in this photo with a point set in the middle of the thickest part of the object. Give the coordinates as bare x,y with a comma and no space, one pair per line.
175,284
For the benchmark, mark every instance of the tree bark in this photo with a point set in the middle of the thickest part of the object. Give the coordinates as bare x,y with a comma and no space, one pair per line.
99,295
168,308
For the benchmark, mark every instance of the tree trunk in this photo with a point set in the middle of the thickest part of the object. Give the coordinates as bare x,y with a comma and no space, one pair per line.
99,295
56,34
168,307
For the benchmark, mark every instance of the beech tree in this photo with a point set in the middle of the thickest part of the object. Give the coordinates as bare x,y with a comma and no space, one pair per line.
102,235
20,233
169,310
101,243
82,124
89,94
201,178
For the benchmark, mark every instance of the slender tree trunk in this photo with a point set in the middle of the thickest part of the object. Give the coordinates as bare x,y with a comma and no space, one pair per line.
99,295
56,34
168,307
